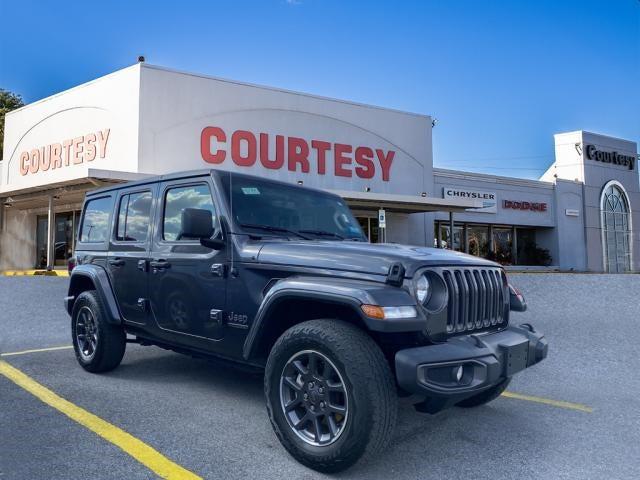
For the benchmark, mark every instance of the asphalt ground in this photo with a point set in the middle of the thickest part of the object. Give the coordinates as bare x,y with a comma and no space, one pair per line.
211,419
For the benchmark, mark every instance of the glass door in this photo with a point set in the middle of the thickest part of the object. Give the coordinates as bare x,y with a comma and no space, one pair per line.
63,239
370,228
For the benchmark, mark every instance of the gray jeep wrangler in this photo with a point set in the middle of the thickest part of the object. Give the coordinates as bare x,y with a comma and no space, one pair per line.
280,277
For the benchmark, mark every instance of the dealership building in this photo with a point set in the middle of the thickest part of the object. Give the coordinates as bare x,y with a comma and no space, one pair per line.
147,120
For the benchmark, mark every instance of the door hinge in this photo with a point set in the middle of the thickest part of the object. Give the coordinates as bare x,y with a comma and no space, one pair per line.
219,269
216,316
143,304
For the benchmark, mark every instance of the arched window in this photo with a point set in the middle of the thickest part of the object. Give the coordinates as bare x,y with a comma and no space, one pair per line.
616,228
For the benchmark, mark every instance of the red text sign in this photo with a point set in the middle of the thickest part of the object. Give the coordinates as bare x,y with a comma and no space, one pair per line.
294,154
71,151
533,206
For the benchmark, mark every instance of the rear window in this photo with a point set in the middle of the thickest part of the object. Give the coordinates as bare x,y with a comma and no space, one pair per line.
95,222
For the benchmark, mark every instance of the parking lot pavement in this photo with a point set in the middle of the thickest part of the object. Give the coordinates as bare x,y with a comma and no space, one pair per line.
211,419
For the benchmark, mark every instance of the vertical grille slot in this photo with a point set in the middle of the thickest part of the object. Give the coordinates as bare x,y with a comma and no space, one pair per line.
476,299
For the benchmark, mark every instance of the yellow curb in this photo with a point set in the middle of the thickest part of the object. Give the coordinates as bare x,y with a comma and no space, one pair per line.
46,273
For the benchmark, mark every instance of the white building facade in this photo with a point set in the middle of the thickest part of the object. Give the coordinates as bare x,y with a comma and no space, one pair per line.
146,120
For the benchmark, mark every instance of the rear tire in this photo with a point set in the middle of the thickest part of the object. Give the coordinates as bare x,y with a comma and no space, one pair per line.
347,395
485,397
98,344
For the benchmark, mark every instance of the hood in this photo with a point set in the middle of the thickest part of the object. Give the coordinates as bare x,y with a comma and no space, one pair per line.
371,258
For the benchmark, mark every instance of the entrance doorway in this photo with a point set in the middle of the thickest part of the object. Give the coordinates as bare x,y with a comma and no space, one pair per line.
66,228
370,228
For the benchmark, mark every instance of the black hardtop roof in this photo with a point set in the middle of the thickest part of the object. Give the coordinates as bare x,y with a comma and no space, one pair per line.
191,174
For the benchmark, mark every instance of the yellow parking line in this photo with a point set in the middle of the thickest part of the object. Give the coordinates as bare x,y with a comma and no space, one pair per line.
149,457
36,350
548,401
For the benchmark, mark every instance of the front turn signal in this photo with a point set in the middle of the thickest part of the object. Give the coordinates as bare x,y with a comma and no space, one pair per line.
389,313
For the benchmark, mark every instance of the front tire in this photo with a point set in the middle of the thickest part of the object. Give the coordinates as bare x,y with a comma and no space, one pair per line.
330,394
98,344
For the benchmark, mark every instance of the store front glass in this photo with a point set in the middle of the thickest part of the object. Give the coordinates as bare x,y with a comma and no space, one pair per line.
478,240
503,245
457,242
370,228
494,242
66,228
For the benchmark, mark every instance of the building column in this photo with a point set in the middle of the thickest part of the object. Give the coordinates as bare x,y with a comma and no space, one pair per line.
450,230
491,238
514,245
465,238
51,231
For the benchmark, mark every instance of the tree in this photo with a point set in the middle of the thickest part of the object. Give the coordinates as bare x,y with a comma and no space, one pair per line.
8,101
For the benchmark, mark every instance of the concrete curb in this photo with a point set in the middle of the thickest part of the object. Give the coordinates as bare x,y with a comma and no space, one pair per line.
22,273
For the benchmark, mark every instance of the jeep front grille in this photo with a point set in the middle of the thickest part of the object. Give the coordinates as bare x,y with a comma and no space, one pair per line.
477,299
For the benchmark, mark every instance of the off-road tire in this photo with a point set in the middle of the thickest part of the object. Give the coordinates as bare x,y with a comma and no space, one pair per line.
485,397
370,387
112,339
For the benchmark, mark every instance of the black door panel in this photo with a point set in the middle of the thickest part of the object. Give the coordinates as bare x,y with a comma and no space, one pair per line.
128,250
187,296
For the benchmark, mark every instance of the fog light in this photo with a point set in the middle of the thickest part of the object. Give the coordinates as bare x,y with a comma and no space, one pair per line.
457,373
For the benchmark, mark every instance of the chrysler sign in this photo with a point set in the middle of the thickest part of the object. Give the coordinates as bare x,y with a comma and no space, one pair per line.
489,203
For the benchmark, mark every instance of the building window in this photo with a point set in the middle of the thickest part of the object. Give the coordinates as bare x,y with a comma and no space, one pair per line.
478,240
503,245
456,243
616,228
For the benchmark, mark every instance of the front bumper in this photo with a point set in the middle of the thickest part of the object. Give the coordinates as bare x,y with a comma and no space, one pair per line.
466,365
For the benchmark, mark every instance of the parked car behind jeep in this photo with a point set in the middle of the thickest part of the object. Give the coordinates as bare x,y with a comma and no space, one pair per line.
280,277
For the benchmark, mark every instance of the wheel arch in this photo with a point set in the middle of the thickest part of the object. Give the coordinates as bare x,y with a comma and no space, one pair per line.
290,307
93,277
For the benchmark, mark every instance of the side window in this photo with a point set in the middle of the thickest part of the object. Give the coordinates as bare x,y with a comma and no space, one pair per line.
179,198
133,217
95,223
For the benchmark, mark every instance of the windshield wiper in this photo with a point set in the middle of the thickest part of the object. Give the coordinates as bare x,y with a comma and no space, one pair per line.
270,228
323,233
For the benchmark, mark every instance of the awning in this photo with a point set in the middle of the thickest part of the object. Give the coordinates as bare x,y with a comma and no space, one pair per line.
405,203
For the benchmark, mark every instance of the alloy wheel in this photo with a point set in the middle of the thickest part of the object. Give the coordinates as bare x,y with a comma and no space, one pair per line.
86,334
313,398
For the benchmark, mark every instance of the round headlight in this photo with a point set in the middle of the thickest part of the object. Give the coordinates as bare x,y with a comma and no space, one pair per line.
422,289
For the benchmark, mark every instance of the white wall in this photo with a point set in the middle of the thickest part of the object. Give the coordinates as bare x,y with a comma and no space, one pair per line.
18,240
109,103
176,107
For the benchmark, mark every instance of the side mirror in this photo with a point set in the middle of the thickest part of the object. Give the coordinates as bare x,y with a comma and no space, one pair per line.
197,223
517,303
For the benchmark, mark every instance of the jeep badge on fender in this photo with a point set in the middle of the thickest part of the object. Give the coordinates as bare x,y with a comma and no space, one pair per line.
280,277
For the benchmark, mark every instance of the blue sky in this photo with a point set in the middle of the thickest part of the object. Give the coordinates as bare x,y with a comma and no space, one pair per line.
501,77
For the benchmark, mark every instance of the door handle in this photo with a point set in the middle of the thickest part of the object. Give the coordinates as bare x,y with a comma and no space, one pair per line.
218,269
159,264
116,262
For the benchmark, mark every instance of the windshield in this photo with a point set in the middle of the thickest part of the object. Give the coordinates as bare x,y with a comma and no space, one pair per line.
262,207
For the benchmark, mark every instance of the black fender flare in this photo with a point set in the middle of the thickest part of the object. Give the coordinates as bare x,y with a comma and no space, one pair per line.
350,293
100,280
